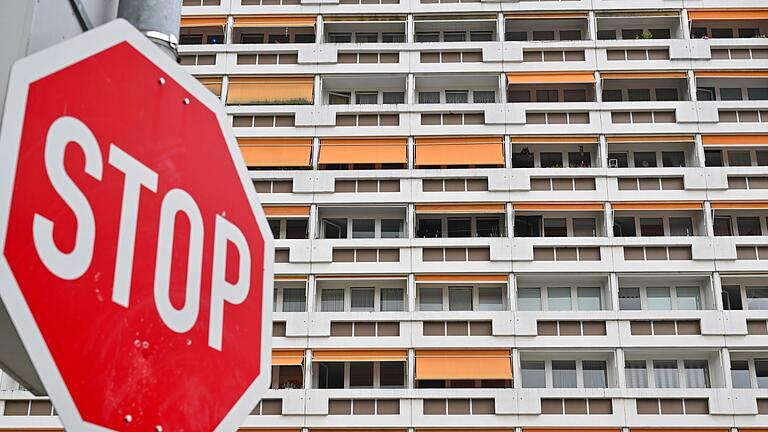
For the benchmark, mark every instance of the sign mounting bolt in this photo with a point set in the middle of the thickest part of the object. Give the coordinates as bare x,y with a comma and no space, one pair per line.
186,101
128,418
162,80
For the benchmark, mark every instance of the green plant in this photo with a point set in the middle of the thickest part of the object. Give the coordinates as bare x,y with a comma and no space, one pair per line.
646,34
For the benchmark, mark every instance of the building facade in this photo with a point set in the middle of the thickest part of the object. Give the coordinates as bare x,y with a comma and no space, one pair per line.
500,215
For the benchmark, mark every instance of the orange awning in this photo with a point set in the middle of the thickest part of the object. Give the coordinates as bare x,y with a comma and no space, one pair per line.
740,205
275,21
287,357
550,77
466,430
547,16
363,150
643,75
731,74
650,139
665,205
360,276
727,14
463,364
572,429
449,277
327,355
270,90
276,152
538,139
681,430
204,21
364,18
477,150
558,206
730,140
461,208
286,211
211,83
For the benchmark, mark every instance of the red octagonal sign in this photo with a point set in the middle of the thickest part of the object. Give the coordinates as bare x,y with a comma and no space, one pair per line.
136,260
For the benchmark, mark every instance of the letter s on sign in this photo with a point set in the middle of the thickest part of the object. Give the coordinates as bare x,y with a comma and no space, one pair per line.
68,265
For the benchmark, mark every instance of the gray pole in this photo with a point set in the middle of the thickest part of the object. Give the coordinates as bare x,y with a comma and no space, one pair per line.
157,19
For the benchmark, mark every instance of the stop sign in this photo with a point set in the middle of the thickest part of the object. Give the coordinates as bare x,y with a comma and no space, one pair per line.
136,260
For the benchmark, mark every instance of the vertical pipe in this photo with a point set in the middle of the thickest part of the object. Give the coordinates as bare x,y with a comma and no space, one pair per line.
157,19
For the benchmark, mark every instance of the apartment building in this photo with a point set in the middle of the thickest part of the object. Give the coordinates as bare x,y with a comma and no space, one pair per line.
500,215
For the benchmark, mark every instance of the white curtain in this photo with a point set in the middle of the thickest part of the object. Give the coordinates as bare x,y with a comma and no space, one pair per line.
636,374
665,372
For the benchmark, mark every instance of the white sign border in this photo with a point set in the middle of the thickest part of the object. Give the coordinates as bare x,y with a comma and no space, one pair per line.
49,61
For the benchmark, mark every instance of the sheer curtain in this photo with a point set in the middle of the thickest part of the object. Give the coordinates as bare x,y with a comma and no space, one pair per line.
332,300
564,374
636,373
294,300
665,372
392,300
696,374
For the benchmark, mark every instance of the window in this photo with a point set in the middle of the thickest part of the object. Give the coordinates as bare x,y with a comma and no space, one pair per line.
520,96
606,34
454,37
748,32
339,98
631,33
673,159
680,226
749,226
488,227
624,227
645,159
761,372
584,227
392,374
696,374
570,35
393,37
730,94
698,32
534,375
551,160
393,97
296,228
332,300
757,93
723,226
459,227
274,226
543,35
659,298
705,93
639,94
430,228
546,95
529,299
363,228
392,300
335,228
580,159
340,37
740,374
629,299
559,298
191,39
661,33
362,299
278,38
739,158
429,97
688,298
516,36
563,374
575,95
481,36
652,227
665,373
732,297
391,228
588,298
460,298
456,96
331,375
595,374
555,227
484,96
612,95
428,37
618,160
366,37
713,158
361,374
722,32
366,98
636,374
305,38
667,94
294,300
431,299
527,226
757,298
490,299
